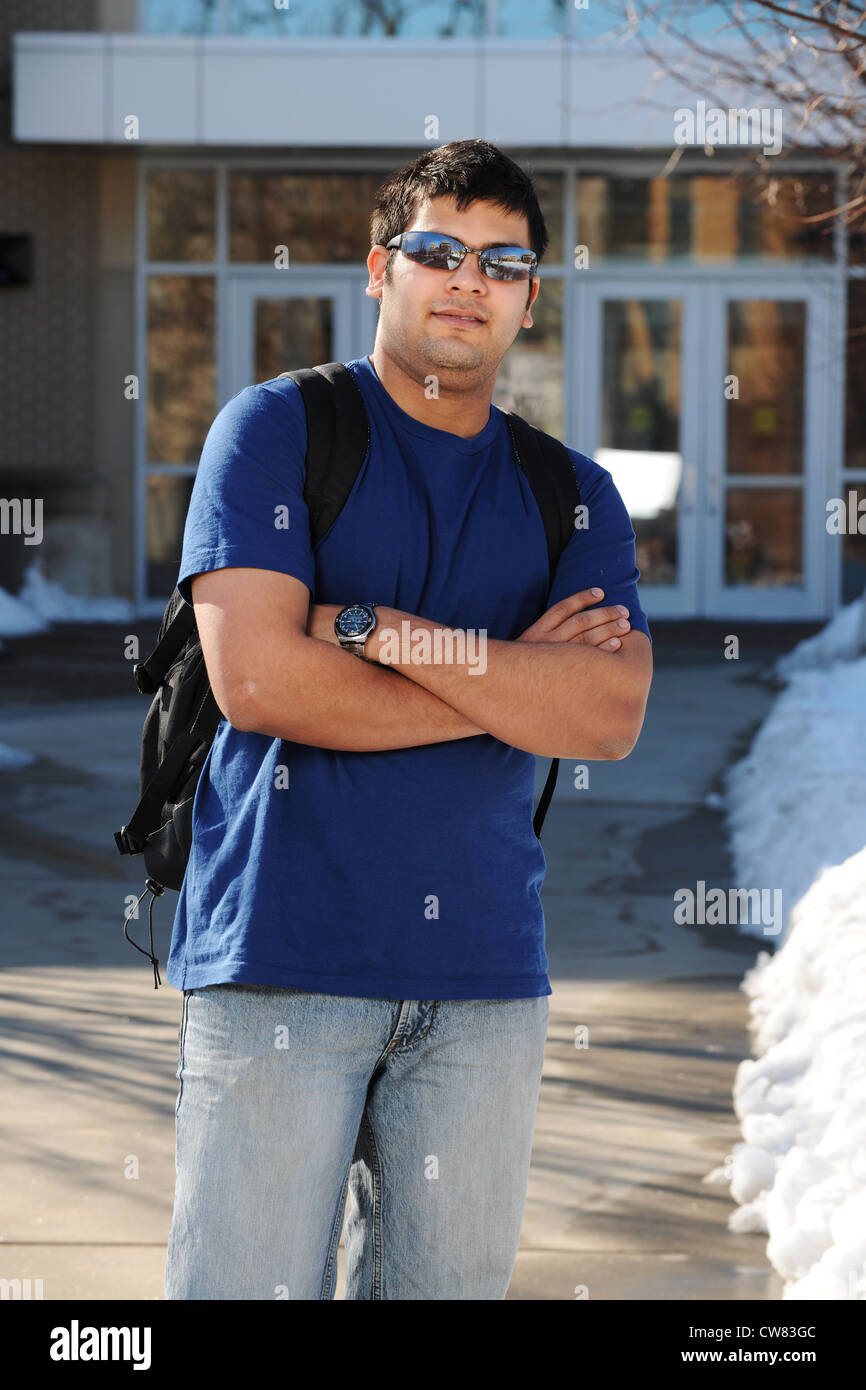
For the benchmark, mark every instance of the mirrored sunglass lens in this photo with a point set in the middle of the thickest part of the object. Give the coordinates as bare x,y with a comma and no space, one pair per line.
440,252
508,263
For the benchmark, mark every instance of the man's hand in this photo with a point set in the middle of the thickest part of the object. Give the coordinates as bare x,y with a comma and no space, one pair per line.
554,703
563,622
566,622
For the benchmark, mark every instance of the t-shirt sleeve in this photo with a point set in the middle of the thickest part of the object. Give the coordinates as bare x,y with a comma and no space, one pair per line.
601,553
247,504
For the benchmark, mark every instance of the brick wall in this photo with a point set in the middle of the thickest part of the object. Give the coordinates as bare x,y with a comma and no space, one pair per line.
64,435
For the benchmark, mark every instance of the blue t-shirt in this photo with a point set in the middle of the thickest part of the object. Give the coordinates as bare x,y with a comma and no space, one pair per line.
412,873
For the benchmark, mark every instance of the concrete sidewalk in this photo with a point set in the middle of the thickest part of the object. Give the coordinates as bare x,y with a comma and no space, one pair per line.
627,1127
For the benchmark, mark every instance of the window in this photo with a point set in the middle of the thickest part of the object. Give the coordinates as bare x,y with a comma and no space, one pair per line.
181,215
532,19
318,217
604,21
181,366
374,19
705,219
855,378
530,377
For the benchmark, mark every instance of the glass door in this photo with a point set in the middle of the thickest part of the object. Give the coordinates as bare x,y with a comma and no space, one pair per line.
273,328
706,400
765,449
638,417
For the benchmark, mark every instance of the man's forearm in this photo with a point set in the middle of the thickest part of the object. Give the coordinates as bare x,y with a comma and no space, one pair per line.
565,700
317,694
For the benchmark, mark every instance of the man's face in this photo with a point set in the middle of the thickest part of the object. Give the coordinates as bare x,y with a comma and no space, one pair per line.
455,323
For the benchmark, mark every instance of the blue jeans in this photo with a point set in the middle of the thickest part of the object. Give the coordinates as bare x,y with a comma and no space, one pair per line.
422,1109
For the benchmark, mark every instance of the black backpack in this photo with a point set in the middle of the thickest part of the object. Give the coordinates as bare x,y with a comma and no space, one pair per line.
180,725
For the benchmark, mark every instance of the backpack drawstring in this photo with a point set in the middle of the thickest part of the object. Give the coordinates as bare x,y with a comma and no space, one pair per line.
156,890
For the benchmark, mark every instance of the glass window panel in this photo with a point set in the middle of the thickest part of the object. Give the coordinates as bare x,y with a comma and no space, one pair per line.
326,217
359,18
181,215
180,16
633,218
710,228
854,543
181,370
167,505
530,377
319,217
640,426
855,377
772,213
292,333
425,18
766,348
857,228
704,218
531,19
611,20
550,190
764,536
641,382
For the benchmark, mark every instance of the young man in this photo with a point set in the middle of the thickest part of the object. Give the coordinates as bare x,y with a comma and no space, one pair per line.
359,938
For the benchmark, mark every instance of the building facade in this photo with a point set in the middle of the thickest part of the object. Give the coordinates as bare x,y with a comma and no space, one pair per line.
186,199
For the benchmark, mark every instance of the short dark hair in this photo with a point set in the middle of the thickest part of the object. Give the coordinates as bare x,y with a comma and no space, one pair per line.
466,170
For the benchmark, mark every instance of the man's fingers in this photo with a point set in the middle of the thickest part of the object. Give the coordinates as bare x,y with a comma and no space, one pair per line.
560,612
611,623
573,619
568,606
594,626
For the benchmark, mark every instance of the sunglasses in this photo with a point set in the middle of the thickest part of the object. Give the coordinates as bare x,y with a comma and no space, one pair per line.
442,252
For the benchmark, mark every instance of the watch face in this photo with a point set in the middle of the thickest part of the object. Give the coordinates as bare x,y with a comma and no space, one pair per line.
353,621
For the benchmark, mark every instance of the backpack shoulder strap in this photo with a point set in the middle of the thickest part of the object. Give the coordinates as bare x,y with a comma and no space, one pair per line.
550,473
178,625
338,437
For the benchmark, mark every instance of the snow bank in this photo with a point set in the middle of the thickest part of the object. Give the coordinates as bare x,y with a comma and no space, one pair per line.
42,602
12,758
796,804
843,639
800,1174
796,807
54,603
17,619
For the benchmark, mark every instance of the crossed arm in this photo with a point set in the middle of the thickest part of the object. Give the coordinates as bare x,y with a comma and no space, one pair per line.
276,668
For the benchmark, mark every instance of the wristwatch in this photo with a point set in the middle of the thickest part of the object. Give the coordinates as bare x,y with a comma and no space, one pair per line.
353,626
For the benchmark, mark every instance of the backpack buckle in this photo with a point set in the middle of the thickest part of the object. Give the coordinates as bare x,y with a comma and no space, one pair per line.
126,843
144,682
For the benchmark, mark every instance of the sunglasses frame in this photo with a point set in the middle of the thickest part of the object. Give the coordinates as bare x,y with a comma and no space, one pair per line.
396,244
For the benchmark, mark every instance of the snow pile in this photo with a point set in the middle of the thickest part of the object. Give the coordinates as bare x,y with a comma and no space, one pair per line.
17,619
13,758
796,804
796,808
54,603
800,1175
42,602
843,639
